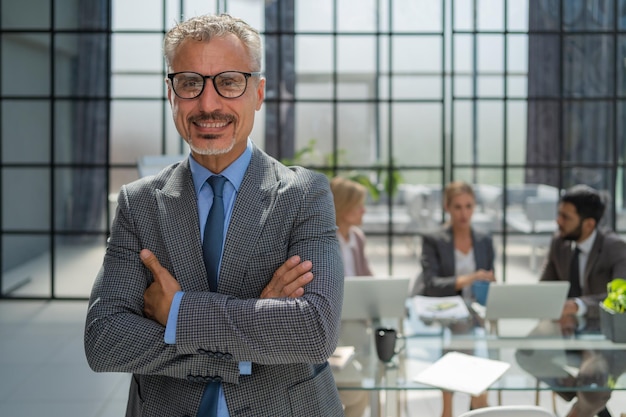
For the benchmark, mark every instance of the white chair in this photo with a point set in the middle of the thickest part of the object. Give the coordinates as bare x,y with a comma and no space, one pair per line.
510,411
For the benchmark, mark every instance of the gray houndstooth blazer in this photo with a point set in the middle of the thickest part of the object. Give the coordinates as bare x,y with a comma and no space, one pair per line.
278,212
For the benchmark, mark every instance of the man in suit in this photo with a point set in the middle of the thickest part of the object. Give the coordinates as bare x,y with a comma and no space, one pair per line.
601,254
589,258
257,343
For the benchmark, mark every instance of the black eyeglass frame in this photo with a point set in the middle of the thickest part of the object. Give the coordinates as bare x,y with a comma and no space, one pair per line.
246,75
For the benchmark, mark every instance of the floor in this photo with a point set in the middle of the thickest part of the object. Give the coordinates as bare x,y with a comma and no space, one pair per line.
44,371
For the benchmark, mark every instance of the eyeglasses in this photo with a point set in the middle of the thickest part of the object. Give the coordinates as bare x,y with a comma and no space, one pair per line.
228,84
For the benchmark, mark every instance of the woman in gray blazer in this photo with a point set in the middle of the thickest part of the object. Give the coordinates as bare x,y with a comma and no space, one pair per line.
453,258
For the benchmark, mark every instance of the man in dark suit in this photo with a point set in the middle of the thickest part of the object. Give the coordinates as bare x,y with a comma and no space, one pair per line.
248,333
589,258
601,255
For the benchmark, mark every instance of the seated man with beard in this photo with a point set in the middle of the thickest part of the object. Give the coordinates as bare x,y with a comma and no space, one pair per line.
589,258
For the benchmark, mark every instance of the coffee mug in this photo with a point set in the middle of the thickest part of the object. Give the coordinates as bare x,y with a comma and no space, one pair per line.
386,343
480,290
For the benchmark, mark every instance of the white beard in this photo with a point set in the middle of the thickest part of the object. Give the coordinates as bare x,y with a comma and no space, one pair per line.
211,151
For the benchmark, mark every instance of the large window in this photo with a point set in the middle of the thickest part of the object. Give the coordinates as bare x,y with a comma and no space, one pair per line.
54,100
522,98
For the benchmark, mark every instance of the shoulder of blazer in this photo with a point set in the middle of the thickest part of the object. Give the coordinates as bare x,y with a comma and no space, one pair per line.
480,238
442,240
608,239
270,171
442,235
172,180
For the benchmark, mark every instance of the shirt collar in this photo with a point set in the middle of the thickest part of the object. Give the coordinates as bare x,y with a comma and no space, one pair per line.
234,172
586,245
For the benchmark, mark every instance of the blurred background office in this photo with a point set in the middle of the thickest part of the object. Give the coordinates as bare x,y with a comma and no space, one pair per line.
521,98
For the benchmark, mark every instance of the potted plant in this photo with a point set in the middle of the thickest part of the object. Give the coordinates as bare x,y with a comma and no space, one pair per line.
389,179
612,309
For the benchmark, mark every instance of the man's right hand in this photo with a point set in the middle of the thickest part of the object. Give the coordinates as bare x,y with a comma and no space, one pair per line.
289,280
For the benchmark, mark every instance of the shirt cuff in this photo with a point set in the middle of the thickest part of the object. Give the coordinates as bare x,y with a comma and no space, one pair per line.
582,307
245,368
172,319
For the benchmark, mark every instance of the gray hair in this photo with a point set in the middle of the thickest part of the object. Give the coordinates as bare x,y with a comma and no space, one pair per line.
203,28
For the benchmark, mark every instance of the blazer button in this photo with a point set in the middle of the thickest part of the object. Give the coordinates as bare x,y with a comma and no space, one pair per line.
228,357
219,355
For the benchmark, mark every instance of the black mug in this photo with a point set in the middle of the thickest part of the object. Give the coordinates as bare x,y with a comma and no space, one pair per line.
386,343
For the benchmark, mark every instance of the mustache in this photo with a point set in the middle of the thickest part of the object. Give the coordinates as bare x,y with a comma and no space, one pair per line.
212,117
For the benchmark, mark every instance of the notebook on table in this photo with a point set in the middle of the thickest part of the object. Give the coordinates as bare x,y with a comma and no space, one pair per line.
370,298
540,300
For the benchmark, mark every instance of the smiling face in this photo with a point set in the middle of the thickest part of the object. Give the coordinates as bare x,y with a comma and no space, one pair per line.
216,128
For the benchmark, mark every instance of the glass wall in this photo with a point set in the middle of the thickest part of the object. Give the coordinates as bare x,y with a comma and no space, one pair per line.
522,98
54,127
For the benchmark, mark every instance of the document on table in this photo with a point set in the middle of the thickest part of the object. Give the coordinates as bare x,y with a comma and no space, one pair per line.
434,308
460,372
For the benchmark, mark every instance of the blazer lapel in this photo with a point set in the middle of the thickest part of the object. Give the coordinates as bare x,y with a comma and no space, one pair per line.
594,254
480,255
448,265
254,203
178,220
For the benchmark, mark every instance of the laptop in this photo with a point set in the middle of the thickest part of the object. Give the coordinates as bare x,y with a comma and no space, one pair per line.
366,298
540,300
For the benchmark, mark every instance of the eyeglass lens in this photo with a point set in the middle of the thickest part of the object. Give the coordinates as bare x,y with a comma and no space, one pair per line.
227,84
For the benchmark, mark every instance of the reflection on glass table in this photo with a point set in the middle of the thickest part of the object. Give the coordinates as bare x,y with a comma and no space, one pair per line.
571,359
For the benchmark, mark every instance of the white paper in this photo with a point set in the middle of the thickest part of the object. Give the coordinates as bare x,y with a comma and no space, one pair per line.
460,372
438,308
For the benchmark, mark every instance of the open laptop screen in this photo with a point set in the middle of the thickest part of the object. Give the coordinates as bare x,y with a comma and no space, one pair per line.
374,297
540,300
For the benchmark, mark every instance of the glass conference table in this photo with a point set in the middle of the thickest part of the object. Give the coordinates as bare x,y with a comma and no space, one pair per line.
543,356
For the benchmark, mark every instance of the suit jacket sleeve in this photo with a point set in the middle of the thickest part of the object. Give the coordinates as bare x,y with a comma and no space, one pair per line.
552,267
605,263
438,274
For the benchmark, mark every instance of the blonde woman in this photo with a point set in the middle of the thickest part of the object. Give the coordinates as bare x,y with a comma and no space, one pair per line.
349,197
453,258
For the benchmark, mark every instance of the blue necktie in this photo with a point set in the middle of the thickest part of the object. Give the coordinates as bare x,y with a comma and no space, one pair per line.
214,231
212,252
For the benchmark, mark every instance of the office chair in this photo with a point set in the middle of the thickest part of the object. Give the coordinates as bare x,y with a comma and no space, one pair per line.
510,411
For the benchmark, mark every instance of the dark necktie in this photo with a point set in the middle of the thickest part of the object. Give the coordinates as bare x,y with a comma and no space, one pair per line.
214,231
212,251
574,276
